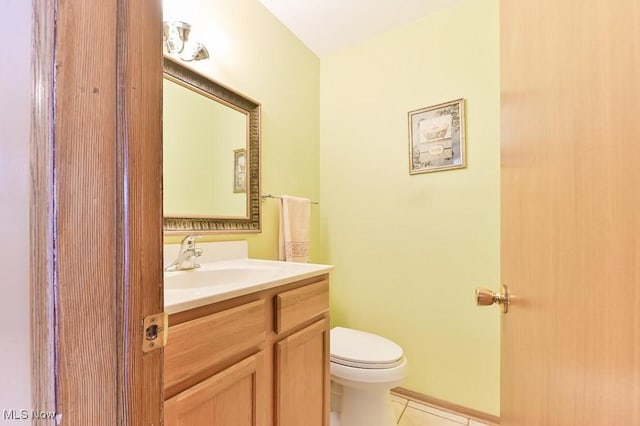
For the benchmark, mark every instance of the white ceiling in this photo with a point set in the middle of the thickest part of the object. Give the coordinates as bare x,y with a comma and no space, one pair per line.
327,26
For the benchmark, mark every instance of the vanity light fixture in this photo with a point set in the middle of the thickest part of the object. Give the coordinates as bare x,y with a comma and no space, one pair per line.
194,52
176,40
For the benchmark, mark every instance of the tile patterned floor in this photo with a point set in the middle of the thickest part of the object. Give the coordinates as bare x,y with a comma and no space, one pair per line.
412,413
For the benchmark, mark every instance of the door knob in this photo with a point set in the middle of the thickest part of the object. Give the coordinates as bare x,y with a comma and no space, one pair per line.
486,297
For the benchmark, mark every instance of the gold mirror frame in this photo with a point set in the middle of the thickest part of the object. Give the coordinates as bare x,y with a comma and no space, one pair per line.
212,224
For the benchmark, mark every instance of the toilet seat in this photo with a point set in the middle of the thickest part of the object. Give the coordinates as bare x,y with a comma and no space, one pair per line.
358,349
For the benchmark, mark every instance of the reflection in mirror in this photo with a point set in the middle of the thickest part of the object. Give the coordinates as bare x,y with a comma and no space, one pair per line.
210,154
200,136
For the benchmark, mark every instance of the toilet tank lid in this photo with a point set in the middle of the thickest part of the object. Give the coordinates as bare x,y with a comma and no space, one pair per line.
362,347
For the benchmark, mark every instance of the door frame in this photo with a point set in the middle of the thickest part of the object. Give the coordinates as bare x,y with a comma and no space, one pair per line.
96,210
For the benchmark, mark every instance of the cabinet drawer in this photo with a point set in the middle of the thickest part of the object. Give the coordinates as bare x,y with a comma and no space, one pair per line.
296,306
197,345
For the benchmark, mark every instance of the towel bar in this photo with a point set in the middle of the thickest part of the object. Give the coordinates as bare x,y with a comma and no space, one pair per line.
278,196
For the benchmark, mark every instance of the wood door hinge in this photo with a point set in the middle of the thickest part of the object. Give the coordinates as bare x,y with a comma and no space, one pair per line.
155,329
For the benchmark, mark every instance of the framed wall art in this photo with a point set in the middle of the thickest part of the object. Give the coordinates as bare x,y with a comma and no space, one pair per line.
436,138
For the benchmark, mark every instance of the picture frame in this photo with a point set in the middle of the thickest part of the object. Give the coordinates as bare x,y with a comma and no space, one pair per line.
239,170
436,138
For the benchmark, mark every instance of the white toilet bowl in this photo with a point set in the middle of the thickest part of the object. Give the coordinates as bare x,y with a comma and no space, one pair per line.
365,366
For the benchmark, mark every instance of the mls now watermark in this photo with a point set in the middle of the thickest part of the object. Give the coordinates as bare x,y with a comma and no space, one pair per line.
27,415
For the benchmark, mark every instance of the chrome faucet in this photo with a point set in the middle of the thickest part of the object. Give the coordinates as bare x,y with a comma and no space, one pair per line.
187,255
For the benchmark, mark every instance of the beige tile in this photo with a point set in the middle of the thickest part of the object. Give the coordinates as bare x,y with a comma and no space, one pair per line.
476,423
399,404
414,417
398,409
440,413
335,419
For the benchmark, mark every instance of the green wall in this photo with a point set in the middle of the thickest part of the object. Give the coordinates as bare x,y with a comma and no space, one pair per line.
409,250
254,54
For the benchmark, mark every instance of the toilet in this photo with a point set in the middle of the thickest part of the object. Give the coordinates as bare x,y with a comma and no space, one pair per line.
364,367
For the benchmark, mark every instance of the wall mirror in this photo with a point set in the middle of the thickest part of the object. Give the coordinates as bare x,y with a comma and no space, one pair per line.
211,155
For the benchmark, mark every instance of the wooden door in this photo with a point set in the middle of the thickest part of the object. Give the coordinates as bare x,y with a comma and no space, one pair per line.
570,86
96,210
232,397
302,378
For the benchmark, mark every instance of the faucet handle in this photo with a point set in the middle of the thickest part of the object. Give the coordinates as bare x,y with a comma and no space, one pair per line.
197,252
189,240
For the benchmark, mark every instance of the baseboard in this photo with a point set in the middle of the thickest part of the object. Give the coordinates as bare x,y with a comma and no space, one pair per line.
448,406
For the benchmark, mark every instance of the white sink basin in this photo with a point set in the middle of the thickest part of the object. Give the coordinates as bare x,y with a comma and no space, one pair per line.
212,275
222,280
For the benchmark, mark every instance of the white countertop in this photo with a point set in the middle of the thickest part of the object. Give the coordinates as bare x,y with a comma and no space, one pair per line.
225,279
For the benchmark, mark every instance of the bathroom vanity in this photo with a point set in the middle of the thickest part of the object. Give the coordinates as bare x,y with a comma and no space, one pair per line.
248,340
251,353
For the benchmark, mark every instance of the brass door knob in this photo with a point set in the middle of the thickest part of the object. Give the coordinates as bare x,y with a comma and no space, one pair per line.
486,297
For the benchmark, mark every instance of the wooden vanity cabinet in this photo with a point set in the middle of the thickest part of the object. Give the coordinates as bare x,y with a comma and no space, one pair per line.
256,360
302,358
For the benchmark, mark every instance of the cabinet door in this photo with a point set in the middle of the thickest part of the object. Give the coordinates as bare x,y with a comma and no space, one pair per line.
302,377
232,397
